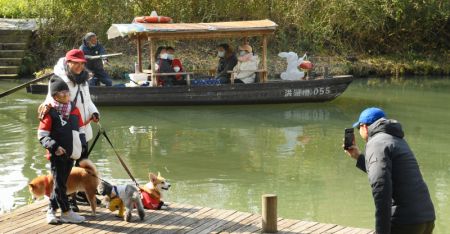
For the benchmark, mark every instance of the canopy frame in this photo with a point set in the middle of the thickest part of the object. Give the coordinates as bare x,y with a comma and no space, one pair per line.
191,31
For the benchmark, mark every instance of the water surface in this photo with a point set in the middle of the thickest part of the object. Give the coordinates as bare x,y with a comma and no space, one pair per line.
228,156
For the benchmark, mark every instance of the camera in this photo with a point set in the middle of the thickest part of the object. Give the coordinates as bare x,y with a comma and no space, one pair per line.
349,138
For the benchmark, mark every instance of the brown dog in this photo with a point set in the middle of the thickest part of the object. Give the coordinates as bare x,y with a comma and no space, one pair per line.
83,179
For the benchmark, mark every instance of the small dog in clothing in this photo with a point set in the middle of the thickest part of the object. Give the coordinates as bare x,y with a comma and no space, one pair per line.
152,192
122,198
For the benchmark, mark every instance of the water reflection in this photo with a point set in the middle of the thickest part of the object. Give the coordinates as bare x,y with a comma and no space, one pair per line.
227,156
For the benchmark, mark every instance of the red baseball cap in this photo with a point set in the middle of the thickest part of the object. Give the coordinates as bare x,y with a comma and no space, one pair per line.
75,55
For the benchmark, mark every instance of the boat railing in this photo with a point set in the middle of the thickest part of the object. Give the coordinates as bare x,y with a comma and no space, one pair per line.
261,71
190,74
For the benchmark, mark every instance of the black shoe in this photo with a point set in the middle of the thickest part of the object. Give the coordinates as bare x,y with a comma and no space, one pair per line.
73,205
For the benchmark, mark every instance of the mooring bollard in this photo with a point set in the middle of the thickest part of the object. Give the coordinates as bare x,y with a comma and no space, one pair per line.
269,213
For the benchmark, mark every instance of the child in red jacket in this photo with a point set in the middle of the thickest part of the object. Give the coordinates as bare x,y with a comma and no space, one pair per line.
61,132
176,65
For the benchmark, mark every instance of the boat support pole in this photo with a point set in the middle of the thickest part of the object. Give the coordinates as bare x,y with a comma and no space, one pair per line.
152,61
139,52
264,59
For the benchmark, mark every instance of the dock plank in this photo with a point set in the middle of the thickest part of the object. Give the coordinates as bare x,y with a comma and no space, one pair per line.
303,226
179,218
283,224
217,226
242,224
253,226
324,228
171,225
334,229
153,225
206,225
240,217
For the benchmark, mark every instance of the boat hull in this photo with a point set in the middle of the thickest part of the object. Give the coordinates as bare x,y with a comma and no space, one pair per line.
279,91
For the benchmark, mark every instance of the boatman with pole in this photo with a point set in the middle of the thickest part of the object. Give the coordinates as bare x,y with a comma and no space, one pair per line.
93,51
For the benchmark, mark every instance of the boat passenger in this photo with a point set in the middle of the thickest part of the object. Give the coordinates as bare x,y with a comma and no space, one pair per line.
91,47
164,65
226,63
176,65
246,63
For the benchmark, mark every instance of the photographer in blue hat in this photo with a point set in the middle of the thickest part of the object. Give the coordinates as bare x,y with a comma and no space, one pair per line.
402,200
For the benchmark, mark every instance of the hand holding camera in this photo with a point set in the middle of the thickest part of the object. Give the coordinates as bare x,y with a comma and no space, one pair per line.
349,144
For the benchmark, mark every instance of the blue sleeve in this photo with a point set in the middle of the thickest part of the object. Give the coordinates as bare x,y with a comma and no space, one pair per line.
101,49
82,47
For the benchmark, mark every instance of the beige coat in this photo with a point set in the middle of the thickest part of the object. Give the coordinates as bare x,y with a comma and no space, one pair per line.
242,68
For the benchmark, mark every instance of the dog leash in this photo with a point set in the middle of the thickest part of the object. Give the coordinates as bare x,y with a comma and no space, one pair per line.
103,132
106,182
95,141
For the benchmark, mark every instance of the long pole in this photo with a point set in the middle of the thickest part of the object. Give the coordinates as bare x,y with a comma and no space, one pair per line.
13,90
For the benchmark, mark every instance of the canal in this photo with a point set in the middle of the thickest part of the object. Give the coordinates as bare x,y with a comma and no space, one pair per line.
228,156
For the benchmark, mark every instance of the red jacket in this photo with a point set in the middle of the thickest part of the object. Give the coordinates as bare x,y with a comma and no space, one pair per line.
177,63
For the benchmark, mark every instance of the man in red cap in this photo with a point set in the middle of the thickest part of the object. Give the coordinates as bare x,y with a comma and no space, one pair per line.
71,69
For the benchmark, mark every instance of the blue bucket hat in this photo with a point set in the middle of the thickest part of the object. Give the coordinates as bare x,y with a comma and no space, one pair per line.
369,116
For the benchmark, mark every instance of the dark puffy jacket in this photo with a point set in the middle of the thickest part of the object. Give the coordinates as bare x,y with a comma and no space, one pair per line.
225,65
95,65
399,191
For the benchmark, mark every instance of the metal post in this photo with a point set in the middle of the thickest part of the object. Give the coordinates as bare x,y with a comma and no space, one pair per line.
269,213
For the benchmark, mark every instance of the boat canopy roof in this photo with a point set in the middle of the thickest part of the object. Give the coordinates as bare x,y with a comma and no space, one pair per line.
177,31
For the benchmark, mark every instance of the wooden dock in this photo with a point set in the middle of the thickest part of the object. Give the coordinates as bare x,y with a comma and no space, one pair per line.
180,218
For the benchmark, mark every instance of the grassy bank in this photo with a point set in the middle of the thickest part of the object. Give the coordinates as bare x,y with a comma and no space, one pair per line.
382,37
202,56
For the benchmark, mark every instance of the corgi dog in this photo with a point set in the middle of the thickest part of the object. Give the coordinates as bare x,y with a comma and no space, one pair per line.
152,192
122,198
83,179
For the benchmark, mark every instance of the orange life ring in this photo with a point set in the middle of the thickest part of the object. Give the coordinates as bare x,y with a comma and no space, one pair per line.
152,19
307,65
